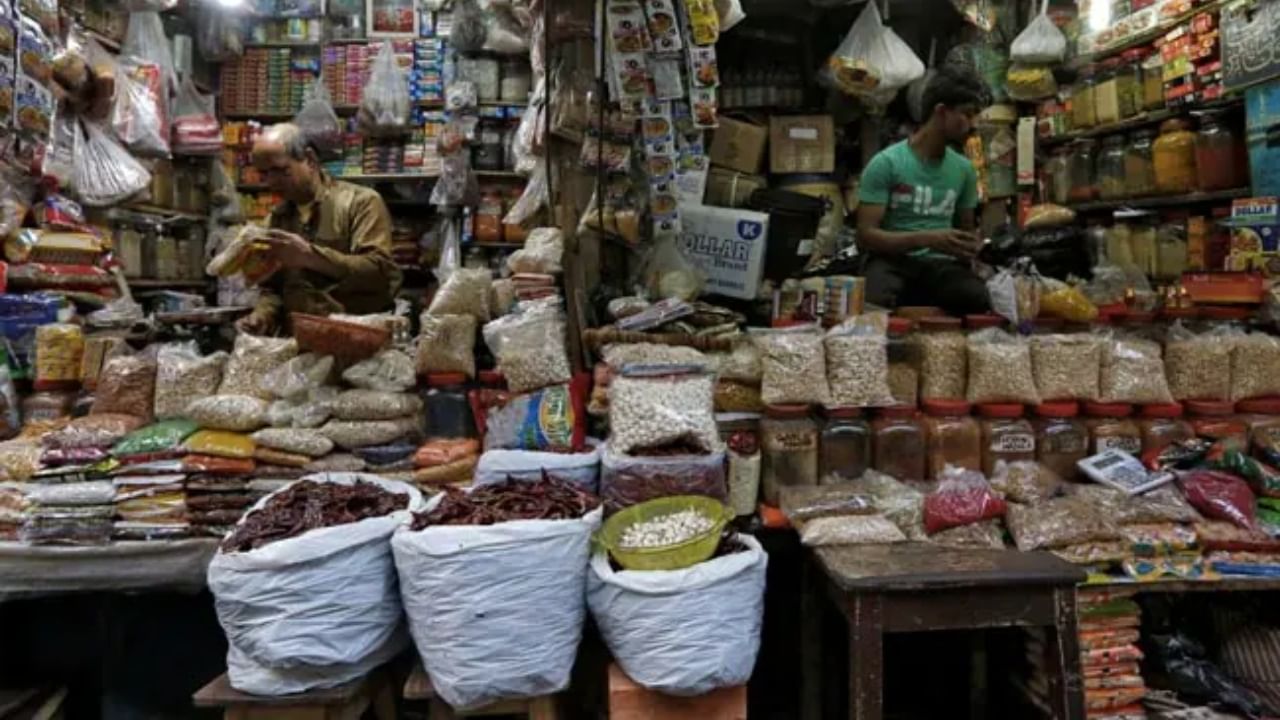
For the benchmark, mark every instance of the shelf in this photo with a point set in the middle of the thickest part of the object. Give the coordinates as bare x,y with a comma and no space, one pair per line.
1146,36
170,213
258,115
1162,200
156,283
386,177
1152,117
282,44
509,174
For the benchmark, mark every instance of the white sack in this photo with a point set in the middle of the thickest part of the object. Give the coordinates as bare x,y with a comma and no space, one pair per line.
496,610
683,632
581,469
315,610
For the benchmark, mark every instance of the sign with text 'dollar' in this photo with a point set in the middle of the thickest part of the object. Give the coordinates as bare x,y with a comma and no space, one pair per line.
728,245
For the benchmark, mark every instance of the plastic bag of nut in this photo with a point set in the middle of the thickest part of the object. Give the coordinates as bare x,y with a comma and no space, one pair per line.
1024,481
446,343
375,405
1000,369
942,354
1132,372
793,365
529,345
741,363
127,386
183,375
858,362
295,378
251,359
656,406
239,413
1198,365
1255,366
1066,366
464,292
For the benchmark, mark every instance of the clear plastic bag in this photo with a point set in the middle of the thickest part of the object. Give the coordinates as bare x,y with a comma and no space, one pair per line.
536,195
741,364
183,375
1066,301
158,437
627,479
963,497
529,345
19,460
127,386
1066,367
145,41
219,443
375,405
335,462
272,456
1198,366
92,431
297,377
388,371
350,434
985,534
464,291
542,253
384,110
668,272
252,358
1133,372
1015,292
238,413
1164,504
104,173
140,116
849,530
1028,83
1040,42
1000,369
944,364
858,362
300,441
309,411
552,418
652,407
1255,366
319,123
218,33
456,184
872,62
446,344
1025,481
807,502
793,365
1221,496
1058,523
897,501
195,124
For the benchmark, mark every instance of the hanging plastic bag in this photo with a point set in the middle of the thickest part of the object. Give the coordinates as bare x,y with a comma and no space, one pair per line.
668,272
534,198
872,62
319,123
384,111
1029,83
145,42
195,126
218,33
1041,41
139,116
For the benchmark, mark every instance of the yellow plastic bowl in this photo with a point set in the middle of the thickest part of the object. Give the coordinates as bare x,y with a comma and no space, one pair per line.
671,557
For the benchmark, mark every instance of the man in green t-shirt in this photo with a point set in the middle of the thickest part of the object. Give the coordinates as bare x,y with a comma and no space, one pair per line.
916,207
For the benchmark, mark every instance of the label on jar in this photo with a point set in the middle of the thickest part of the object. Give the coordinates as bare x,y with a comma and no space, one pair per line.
1124,443
792,441
1014,443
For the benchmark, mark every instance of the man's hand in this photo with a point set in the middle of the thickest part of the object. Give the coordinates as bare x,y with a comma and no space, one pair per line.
257,323
290,250
957,243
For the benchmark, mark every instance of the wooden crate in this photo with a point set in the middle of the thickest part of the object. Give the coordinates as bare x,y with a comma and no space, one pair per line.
344,702
629,701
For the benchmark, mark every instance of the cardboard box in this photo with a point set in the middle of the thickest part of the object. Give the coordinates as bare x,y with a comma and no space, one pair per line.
1255,236
802,144
739,145
1262,127
727,188
728,246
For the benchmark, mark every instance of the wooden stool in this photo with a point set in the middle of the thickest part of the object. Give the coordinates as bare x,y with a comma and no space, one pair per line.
629,701
418,687
344,702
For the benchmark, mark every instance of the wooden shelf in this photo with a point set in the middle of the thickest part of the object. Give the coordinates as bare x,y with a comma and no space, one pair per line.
1152,117
387,177
1146,36
258,115
1157,201
282,44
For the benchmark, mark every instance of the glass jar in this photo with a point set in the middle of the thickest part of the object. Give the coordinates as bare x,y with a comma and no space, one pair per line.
129,251
1111,169
1171,250
1216,155
904,382
1153,81
1006,435
1175,157
941,355
1083,112
845,447
1111,429
1061,439
1139,165
1083,184
448,414
1107,92
517,78
1057,176
1117,246
166,256
1129,80
1142,241
954,438
898,443
741,437
1215,420
789,449
1162,425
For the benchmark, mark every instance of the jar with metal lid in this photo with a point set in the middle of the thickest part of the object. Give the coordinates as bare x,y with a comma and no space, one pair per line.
741,436
1139,164
1107,92
1129,80
904,382
1057,176
954,438
1006,435
898,443
845,446
1062,439
448,414
1153,81
1083,182
789,444
942,357
1215,420
1083,110
1111,429
1112,179
1218,157
1174,155
1162,425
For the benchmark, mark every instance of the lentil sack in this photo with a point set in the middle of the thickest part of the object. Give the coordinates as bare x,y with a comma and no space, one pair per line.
683,632
496,611
316,609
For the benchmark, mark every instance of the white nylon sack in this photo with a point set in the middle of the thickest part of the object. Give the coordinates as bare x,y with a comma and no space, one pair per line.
872,62
496,611
1040,42
316,610
683,632
582,469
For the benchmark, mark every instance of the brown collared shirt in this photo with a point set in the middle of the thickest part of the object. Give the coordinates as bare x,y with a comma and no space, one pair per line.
350,226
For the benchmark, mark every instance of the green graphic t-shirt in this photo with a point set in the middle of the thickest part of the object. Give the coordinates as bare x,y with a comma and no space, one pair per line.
918,195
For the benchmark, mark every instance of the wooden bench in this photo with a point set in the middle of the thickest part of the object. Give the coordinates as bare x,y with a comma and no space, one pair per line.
629,701
344,702
418,688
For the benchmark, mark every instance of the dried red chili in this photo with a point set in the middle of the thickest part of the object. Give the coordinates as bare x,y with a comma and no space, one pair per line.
307,505
545,499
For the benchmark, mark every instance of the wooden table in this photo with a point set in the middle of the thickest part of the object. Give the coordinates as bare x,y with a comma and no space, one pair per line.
348,701
913,587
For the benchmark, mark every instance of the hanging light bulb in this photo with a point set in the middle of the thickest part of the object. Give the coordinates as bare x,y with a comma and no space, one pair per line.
231,3
1099,15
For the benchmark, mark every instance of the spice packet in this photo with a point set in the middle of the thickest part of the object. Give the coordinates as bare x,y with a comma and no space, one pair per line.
664,29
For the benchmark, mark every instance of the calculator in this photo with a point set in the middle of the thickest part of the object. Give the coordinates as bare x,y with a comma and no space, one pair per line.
1122,471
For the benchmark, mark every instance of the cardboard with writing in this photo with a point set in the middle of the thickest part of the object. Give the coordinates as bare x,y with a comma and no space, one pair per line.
802,144
728,245
739,145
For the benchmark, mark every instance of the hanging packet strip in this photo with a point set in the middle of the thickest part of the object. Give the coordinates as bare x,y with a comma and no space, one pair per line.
628,42
664,28
659,139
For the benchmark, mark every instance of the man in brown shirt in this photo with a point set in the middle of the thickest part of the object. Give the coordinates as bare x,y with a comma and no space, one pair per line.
331,238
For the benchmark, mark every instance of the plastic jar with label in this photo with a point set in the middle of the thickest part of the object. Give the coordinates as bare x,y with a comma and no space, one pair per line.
898,443
789,441
904,381
1216,420
741,436
1006,435
954,438
448,414
1111,429
1062,439
845,447
1163,424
